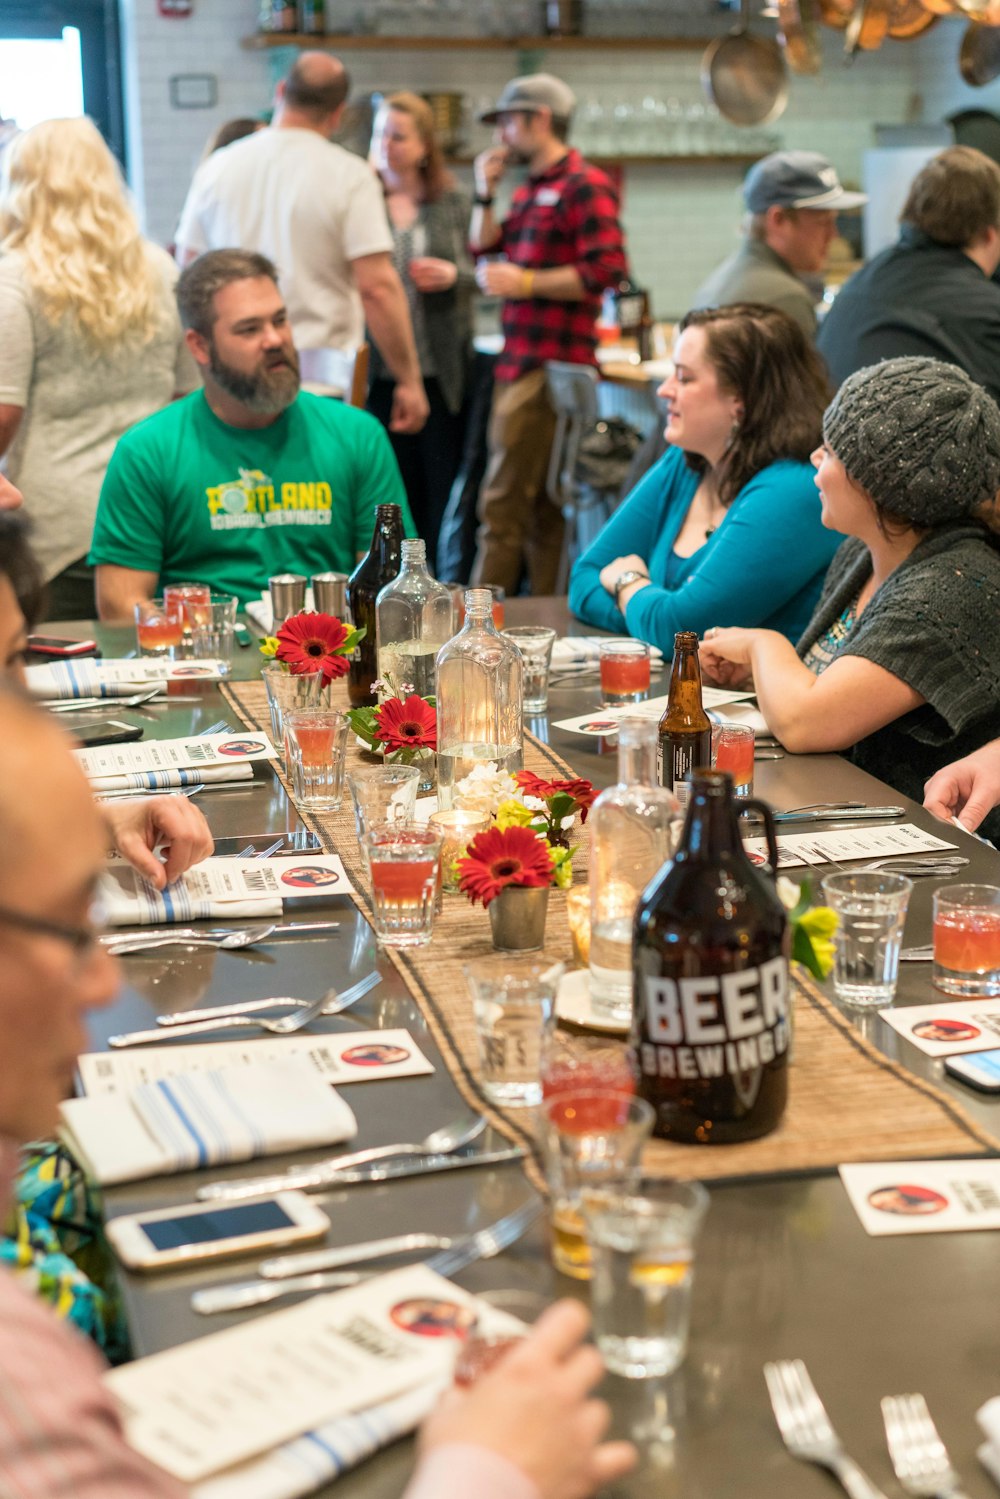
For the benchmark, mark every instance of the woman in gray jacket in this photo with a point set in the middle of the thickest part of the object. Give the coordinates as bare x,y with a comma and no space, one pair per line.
429,216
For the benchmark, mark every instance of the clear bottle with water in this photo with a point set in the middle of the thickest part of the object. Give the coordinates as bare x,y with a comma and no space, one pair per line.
414,618
633,826
479,699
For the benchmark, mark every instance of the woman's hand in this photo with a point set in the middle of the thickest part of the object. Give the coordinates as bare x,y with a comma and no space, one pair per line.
428,273
172,821
727,656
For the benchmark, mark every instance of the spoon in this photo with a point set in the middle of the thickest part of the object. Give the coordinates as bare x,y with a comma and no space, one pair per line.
79,704
442,1141
247,936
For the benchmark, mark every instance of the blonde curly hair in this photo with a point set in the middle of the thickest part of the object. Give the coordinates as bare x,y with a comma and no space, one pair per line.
64,207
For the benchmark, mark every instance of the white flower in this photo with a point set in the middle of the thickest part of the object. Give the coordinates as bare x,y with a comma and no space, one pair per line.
484,788
788,892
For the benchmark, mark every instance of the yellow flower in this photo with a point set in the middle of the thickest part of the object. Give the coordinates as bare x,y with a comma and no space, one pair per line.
562,867
269,647
818,925
513,814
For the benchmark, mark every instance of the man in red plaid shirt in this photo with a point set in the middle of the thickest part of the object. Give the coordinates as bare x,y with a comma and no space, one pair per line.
559,247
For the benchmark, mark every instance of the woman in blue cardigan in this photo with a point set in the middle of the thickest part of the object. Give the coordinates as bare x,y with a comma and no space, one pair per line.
725,528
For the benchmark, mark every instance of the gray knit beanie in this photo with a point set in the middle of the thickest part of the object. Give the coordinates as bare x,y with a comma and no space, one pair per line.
920,437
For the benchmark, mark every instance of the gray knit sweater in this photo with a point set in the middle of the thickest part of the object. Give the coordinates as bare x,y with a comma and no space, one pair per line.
935,624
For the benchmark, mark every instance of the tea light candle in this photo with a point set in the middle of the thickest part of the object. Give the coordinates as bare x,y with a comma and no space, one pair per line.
578,915
457,828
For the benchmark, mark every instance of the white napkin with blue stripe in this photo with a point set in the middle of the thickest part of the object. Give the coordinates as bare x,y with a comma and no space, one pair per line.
582,653
198,1119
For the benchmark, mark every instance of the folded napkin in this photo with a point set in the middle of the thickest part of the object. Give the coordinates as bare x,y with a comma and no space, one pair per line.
205,1119
262,615
162,780
57,680
302,1466
988,1416
129,901
579,653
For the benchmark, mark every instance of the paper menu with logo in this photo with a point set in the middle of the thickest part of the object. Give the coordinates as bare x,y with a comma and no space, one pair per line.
949,1027
194,752
604,720
221,888
346,1057
200,1408
846,845
924,1197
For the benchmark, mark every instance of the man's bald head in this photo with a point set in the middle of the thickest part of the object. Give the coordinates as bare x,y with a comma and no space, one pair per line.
316,87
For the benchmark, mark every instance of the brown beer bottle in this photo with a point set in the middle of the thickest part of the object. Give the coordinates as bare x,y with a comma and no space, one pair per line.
710,1021
371,575
685,742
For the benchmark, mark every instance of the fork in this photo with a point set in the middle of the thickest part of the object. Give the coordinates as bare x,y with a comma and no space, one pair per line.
806,1430
215,728
918,1454
285,1025
341,1001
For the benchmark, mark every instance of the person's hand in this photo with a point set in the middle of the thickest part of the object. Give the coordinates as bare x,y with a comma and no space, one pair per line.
428,273
967,789
609,574
11,497
137,827
488,168
410,407
501,278
534,1409
726,656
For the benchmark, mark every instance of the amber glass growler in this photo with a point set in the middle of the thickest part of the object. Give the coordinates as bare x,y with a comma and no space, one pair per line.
373,572
685,741
710,1020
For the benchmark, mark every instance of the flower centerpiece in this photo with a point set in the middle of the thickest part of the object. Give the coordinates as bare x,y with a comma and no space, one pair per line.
812,927
301,661
402,728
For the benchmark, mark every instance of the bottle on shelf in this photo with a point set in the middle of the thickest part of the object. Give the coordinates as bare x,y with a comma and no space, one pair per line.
479,699
312,17
373,572
278,15
631,829
685,731
413,620
710,1021
632,304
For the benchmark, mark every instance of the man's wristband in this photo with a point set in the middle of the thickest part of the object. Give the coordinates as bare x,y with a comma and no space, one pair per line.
482,202
527,282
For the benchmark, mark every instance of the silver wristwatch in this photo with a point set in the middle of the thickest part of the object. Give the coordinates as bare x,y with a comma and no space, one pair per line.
630,575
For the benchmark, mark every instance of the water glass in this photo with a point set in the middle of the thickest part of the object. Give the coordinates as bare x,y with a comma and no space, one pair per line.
513,1000
457,828
625,671
157,633
535,644
286,691
212,627
592,1142
642,1251
387,794
871,910
403,862
732,750
330,594
315,746
288,596
967,940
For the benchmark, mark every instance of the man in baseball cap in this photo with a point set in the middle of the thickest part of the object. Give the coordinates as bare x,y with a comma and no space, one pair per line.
792,199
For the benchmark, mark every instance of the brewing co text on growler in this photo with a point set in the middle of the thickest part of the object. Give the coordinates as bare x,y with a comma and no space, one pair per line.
685,741
710,1024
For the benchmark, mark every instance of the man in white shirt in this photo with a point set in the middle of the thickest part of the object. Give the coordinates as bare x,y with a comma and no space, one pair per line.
317,211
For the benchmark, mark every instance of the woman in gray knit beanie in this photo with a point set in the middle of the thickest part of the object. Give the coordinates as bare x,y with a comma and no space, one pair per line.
900,664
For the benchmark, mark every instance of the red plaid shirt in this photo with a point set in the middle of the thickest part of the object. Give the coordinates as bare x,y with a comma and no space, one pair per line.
566,216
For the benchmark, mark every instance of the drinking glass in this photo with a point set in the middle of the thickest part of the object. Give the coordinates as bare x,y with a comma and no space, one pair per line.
386,794
642,1251
286,691
578,916
574,1063
513,1000
871,910
180,599
732,750
502,1323
967,939
458,591
157,633
624,670
315,745
212,627
535,644
403,861
592,1142
457,828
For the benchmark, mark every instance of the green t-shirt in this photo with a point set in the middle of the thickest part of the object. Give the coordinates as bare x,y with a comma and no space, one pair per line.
186,496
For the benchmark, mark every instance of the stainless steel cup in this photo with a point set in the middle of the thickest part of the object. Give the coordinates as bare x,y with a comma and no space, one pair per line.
288,595
330,593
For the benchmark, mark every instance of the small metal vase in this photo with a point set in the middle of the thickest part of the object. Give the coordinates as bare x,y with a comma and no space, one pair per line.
517,916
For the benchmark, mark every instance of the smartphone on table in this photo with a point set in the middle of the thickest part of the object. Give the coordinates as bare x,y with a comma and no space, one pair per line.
104,731
172,1238
980,1069
59,647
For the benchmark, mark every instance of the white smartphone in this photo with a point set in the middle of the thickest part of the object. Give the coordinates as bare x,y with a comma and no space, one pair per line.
173,1237
980,1068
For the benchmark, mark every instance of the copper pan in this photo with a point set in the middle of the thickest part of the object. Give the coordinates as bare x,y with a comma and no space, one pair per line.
942,7
979,55
983,12
836,13
909,18
798,36
868,27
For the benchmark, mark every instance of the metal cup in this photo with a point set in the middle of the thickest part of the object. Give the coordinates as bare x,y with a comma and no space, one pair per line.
288,596
330,593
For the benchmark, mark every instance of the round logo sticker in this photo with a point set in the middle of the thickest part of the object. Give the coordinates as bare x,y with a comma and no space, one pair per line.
946,1030
309,876
433,1319
378,1054
907,1199
241,746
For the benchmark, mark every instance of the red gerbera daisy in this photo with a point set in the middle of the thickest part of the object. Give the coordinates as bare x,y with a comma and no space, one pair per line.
503,856
409,724
580,790
309,643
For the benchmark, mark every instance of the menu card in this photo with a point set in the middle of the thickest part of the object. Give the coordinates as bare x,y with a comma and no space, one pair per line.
348,1057
847,844
924,1197
604,720
949,1027
220,888
219,1400
88,678
194,752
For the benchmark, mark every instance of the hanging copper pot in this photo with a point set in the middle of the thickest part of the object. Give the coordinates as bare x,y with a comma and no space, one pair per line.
979,55
836,13
909,18
983,12
941,7
798,36
868,26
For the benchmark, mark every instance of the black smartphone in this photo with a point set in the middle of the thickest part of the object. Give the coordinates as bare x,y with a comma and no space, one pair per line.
111,731
58,646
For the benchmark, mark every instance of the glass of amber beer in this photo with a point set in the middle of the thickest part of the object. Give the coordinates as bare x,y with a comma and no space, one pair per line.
592,1140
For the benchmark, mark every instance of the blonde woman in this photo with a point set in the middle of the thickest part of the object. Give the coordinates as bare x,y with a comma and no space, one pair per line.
90,339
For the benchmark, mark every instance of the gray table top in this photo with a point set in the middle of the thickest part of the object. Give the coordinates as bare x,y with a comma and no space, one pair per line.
784,1268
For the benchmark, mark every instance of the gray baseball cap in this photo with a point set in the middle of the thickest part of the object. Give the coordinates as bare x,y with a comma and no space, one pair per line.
533,92
796,179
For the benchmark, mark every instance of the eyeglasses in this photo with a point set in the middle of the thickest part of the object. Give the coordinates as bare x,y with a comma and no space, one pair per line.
82,939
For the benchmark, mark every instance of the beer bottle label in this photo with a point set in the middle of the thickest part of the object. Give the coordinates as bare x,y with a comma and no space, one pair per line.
674,759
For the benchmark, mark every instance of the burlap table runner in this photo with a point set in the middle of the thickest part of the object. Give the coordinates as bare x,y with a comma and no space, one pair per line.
847,1101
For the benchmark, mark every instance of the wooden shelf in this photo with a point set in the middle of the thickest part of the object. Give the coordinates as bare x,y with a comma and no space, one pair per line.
348,41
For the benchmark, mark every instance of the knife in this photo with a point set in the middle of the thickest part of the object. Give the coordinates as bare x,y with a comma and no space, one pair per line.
377,1171
840,814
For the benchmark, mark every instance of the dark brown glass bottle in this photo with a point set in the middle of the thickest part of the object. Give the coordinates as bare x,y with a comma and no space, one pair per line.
685,742
710,1020
372,573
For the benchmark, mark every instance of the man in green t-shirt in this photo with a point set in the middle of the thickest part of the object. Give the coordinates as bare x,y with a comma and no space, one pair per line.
248,477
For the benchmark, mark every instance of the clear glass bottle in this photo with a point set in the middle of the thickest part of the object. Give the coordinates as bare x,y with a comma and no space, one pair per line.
479,697
414,618
632,825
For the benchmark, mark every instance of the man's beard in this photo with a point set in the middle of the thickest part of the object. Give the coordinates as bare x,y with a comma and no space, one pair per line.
265,392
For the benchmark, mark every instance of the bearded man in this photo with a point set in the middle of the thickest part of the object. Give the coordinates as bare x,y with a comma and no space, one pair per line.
247,477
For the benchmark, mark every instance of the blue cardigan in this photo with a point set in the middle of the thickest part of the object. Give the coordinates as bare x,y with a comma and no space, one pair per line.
764,565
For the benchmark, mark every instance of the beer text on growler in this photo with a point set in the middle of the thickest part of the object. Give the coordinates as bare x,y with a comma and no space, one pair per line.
710,1023
685,742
